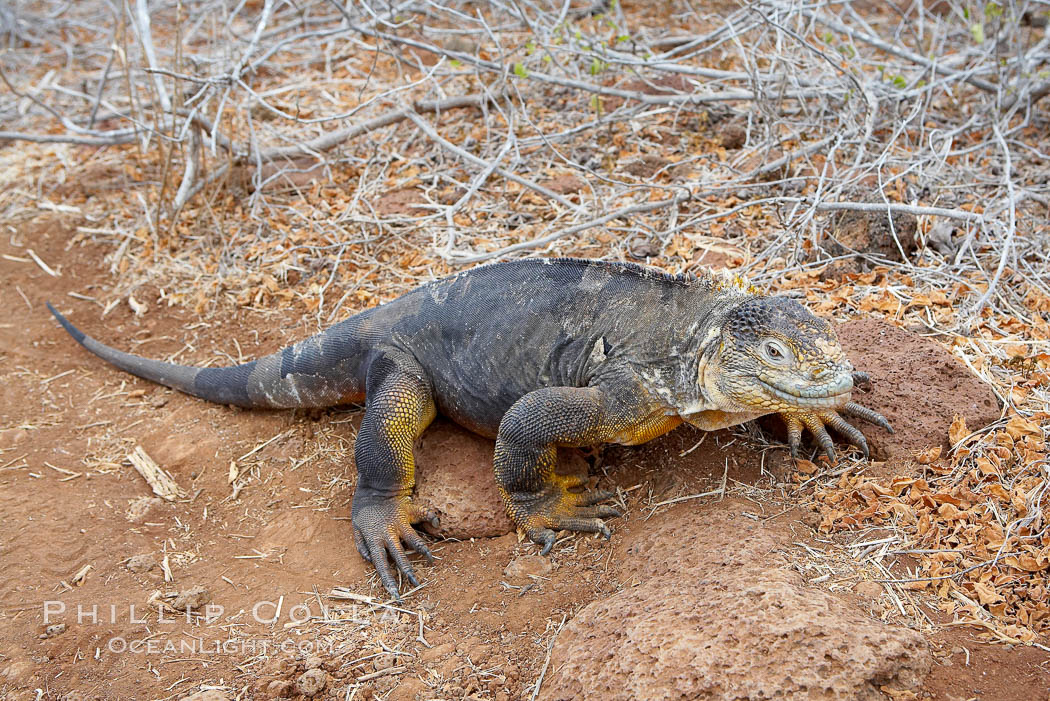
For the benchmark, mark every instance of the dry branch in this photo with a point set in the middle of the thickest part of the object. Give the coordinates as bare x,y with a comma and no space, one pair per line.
121,137
525,182
890,208
645,98
622,213
162,484
328,141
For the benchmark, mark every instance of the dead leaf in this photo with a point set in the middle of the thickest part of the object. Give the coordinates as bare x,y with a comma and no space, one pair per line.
957,431
986,593
1018,426
805,466
929,455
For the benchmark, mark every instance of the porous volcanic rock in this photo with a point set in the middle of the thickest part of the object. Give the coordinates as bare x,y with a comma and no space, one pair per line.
916,384
454,477
717,614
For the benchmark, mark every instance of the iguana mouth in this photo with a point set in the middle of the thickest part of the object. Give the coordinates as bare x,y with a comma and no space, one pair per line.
826,400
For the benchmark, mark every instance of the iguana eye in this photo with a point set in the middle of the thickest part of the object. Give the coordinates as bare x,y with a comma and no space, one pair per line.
775,352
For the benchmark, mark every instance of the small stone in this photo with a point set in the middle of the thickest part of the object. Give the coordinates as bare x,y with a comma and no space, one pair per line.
528,566
384,662
451,459
140,563
647,166
314,662
17,672
410,688
939,238
732,136
311,682
207,695
280,689
811,519
478,653
146,509
191,599
461,44
449,667
565,184
12,437
53,630
437,652
868,589
645,249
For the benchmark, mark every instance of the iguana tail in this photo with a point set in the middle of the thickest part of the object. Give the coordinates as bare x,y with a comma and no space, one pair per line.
323,370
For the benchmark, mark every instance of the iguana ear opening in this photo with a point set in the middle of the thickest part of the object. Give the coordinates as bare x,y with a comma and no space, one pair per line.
776,352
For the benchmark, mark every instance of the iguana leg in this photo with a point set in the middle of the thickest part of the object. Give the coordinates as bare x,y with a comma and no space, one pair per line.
816,421
398,406
538,500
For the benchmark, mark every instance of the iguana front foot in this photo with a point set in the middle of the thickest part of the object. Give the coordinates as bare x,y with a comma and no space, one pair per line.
540,515
381,524
816,421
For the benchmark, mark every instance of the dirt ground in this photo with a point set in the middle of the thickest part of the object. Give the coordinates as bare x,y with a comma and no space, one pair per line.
83,543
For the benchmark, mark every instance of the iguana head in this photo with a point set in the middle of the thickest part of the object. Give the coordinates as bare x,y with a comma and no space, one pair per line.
775,356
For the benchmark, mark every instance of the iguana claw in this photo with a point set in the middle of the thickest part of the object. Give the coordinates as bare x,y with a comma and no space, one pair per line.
861,379
560,509
866,414
381,525
816,421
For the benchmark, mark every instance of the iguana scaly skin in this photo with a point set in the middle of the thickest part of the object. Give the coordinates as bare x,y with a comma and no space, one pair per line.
538,354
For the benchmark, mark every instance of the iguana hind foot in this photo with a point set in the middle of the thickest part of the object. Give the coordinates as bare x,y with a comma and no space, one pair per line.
381,524
400,405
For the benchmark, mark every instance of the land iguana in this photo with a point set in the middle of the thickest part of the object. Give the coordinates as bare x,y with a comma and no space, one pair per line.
537,354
